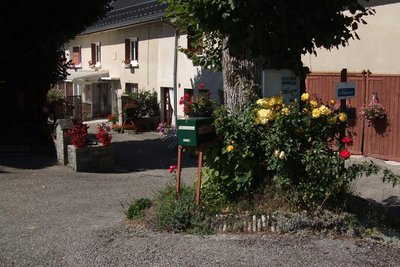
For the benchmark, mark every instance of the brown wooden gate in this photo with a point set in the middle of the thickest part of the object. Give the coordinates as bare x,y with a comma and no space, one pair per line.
381,141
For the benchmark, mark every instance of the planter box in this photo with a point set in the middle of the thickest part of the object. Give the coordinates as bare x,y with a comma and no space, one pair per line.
95,158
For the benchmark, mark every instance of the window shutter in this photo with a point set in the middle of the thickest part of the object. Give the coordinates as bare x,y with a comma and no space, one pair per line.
127,51
137,49
93,60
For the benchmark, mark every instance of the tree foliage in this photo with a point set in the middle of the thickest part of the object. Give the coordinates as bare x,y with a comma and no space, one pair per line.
278,31
32,53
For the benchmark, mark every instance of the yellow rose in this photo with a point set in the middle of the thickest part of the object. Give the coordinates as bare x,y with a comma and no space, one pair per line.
272,101
342,116
276,153
305,97
305,110
233,142
262,113
282,155
263,121
324,110
270,115
285,111
313,103
316,113
332,102
230,148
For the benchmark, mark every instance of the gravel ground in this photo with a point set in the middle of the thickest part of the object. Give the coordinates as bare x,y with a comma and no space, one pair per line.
52,216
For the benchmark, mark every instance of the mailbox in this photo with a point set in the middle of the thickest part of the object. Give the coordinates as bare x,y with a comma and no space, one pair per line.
195,131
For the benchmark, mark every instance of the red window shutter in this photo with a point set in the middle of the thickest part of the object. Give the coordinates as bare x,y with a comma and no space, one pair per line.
137,49
127,51
93,60
76,55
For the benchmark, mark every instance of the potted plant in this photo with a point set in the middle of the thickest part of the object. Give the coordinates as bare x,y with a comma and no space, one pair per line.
200,106
143,110
374,111
78,134
103,134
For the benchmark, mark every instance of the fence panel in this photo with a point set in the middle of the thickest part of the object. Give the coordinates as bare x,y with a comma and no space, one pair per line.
381,140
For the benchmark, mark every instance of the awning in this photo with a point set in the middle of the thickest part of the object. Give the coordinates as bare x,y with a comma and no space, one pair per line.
84,76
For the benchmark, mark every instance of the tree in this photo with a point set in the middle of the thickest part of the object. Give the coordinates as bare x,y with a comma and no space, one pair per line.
265,34
32,54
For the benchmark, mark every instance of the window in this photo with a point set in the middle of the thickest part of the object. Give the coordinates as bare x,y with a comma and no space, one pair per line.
131,88
132,52
75,55
96,55
189,92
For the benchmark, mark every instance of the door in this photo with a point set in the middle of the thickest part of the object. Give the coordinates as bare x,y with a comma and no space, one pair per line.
167,106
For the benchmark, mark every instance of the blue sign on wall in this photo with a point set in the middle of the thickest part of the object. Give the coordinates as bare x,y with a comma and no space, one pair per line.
345,90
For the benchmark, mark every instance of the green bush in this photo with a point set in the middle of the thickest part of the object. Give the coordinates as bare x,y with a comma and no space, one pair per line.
137,208
142,104
174,214
299,153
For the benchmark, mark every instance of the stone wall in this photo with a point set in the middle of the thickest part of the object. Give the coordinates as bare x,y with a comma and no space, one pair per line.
95,158
61,141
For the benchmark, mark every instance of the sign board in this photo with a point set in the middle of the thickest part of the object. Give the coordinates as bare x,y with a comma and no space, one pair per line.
345,90
282,82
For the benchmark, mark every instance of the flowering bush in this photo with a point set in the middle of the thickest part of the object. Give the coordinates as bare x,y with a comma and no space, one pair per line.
112,118
187,103
103,134
78,134
202,104
142,104
272,143
116,127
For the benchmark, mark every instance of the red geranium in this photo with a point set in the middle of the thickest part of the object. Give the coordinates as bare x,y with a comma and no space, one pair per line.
201,86
172,168
78,134
103,134
344,154
347,140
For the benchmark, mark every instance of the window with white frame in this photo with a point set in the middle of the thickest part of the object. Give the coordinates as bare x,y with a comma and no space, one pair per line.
95,55
131,88
132,52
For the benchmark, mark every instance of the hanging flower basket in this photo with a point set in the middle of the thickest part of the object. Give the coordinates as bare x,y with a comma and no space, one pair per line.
374,111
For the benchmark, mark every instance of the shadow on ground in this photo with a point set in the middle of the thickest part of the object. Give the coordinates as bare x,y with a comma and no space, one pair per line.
148,154
28,156
371,212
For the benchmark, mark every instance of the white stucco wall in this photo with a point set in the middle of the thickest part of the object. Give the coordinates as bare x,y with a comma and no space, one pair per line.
156,60
378,50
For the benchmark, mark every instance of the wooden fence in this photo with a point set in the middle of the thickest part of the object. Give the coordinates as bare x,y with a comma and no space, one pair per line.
382,140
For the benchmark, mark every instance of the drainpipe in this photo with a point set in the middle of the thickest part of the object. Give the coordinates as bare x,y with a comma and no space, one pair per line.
175,78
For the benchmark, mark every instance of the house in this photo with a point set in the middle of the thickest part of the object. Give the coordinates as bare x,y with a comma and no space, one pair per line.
133,48
373,64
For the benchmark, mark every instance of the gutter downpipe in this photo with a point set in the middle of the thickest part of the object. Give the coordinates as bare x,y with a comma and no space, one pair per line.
175,76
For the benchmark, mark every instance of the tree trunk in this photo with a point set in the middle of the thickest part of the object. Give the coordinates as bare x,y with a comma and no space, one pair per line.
241,76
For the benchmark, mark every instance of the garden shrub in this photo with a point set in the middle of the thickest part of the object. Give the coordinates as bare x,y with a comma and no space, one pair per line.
137,208
142,104
174,214
299,152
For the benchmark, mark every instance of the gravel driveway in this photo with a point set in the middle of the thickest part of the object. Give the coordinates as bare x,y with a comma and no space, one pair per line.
52,216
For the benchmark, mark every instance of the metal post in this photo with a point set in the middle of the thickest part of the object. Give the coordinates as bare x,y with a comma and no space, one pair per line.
178,173
200,164
343,78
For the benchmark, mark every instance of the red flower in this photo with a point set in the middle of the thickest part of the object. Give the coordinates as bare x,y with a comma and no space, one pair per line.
186,97
172,168
344,154
347,140
201,86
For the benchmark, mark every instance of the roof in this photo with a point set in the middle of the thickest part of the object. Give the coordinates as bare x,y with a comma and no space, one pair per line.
128,12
